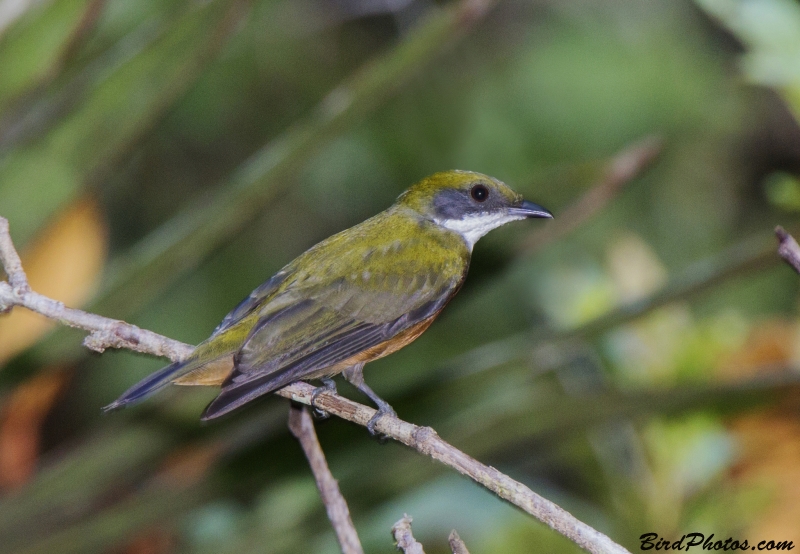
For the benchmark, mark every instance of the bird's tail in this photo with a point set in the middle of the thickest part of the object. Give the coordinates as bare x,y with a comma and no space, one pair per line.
149,385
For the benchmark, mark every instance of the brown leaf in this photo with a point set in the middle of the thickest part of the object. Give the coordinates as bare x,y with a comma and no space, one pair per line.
770,345
770,444
770,440
20,426
154,541
190,464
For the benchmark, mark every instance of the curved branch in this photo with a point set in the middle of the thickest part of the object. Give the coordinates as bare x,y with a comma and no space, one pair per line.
110,333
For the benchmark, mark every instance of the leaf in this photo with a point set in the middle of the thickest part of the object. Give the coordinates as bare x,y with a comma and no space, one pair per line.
20,430
771,31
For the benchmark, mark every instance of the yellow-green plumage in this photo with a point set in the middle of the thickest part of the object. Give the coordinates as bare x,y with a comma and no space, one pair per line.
342,301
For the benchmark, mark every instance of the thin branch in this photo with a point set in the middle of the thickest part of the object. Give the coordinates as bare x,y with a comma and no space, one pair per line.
104,332
456,544
11,263
302,427
623,168
427,441
788,249
110,333
401,531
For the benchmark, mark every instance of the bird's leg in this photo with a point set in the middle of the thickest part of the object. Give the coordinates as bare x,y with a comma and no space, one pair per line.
355,375
328,385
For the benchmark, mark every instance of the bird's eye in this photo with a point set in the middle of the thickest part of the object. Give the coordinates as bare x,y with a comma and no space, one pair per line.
479,193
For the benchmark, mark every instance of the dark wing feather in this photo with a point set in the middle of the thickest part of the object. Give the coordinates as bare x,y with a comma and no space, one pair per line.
242,388
253,301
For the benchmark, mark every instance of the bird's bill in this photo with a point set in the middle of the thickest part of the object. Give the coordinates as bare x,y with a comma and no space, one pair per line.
529,209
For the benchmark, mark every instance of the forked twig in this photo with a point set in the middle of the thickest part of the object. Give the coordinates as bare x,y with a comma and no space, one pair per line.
110,333
405,541
427,441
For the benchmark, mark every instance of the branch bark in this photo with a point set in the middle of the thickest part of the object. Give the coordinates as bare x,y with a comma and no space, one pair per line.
457,546
110,333
401,531
405,541
302,427
426,441
788,249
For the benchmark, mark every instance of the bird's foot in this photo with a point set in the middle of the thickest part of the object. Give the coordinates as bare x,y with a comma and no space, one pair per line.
328,385
383,410
355,375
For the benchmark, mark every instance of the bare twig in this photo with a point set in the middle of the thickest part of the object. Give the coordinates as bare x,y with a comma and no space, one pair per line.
107,333
456,544
426,441
104,332
788,249
401,531
302,427
623,168
11,263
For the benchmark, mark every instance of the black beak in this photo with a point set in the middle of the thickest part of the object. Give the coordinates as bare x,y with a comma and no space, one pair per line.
529,209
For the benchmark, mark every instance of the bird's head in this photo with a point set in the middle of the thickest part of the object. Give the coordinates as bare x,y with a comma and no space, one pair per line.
468,203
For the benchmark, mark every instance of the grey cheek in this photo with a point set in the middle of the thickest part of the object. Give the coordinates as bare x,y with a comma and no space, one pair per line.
450,204
456,204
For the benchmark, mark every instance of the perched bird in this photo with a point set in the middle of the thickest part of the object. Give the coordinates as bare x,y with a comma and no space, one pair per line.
354,297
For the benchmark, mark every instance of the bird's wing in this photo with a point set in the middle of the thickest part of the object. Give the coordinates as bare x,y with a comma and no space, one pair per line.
322,323
253,300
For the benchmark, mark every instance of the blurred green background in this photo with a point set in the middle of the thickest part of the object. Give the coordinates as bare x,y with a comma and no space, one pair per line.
160,159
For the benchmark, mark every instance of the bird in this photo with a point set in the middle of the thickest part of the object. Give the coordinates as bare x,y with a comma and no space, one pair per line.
357,296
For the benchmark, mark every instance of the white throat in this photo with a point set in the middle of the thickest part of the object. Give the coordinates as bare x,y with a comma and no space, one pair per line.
473,227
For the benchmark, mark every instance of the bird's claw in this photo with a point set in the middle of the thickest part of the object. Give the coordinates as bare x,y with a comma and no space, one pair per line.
382,411
328,386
